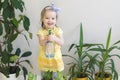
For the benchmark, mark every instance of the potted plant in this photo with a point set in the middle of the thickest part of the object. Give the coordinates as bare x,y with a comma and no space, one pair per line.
12,63
105,61
83,66
48,76
13,25
32,76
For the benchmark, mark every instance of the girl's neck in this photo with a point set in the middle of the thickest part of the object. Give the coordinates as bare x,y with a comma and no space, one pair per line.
49,28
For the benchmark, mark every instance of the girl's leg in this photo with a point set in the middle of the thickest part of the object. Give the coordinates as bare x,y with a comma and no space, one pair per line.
54,75
42,73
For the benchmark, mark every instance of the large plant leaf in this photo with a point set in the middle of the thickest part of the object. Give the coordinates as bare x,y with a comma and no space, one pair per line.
1,28
30,35
26,39
25,72
5,57
28,62
15,22
71,46
9,46
26,23
8,12
71,57
5,71
18,4
108,39
14,36
13,58
115,55
26,54
18,51
81,36
7,28
5,4
116,42
17,71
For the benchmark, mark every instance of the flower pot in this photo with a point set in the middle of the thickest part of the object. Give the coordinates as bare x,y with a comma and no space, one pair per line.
86,78
11,77
106,76
104,79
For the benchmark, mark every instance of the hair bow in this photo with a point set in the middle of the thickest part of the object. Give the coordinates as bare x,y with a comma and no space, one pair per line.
55,8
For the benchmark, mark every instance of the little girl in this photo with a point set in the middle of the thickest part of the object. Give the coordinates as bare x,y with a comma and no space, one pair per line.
48,20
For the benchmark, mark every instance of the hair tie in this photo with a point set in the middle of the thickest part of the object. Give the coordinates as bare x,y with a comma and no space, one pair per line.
55,8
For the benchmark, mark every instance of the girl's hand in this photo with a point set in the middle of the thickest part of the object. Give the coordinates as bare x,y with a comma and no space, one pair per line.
51,37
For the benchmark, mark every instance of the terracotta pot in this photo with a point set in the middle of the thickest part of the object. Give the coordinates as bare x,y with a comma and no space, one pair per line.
107,75
104,79
82,78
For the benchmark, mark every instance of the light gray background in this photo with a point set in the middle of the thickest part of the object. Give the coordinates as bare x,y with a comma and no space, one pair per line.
97,16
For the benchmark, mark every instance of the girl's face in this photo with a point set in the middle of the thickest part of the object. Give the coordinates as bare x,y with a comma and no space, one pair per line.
49,19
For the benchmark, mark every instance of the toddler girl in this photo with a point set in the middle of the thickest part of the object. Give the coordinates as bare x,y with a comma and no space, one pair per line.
48,19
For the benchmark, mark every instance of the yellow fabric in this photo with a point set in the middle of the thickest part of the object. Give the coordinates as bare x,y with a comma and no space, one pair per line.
52,64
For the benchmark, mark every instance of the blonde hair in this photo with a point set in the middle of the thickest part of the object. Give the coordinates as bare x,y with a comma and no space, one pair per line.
43,13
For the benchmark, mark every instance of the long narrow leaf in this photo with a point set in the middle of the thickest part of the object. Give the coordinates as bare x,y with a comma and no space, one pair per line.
108,39
81,36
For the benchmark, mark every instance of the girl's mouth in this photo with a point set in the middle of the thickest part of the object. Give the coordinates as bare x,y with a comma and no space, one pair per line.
49,24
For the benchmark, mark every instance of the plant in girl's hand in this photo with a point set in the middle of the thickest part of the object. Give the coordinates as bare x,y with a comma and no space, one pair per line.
32,76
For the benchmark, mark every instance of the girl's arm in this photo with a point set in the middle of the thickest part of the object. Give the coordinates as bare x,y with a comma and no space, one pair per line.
42,40
58,39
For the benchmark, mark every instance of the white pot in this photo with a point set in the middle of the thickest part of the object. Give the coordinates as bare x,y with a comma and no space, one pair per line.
11,77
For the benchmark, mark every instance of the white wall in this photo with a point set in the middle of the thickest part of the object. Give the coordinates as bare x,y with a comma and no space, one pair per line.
97,16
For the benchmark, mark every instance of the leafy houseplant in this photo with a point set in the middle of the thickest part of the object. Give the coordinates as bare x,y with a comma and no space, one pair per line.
105,60
83,65
32,76
12,26
48,76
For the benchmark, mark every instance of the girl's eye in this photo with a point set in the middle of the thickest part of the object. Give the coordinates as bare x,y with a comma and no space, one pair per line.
53,18
47,18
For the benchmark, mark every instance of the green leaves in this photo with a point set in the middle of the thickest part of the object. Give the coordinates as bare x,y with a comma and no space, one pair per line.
13,58
26,54
32,76
11,26
18,51
108,39
26,23
5,57
15,22
1,28
81,36
28,62
84,61
18,4
13,37
105,61
25,72
8,11
47,75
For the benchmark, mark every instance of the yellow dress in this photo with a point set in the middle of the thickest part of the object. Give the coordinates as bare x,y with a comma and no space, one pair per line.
52,64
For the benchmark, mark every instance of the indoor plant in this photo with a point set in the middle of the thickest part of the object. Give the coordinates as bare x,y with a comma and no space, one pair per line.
12,25
105,61
83,65
48,76
60,76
